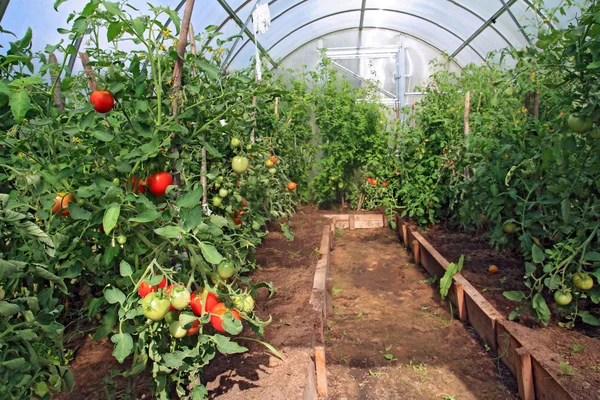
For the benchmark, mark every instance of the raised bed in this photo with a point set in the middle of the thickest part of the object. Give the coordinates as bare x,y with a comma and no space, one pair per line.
526,360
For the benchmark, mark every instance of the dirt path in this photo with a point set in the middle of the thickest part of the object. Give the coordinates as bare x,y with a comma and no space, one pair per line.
392,338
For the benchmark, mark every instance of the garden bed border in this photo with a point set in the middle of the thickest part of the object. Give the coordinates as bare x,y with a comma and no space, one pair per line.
510,340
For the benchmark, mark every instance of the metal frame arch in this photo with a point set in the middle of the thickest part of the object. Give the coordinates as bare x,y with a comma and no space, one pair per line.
357,10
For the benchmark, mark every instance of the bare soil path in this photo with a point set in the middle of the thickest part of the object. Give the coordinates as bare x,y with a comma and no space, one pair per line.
392,337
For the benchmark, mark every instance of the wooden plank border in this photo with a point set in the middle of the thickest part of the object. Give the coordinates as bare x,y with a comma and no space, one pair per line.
506,338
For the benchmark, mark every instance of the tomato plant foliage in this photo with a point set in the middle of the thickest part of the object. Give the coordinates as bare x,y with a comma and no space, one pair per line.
115,236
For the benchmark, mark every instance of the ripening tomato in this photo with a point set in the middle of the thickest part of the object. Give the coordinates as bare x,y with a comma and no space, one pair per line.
385,184
216,316
62,202
194,328
493,269
138,187
244,203
269,163
291,186
158,183
196,302
274,159
102,100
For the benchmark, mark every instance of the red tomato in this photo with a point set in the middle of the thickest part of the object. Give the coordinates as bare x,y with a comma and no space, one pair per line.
158,183
493,269
102,100
163,283
385,184
145,289
138,187
196,302
194,328
274,159
373,182
62,202
291,186
237,221
216,316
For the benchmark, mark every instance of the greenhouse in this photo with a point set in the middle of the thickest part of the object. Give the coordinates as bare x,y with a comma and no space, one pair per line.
300,199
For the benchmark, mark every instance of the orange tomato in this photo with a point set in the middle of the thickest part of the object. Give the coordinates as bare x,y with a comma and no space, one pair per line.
291,186
62,202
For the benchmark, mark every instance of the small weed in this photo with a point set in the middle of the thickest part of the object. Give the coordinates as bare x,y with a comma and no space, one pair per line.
388,355
502,280
484,290
448,397
359,315
375,374
343,360
565,369
329,324
338,233
335,291
578,348
486,347
596,367
415,367
431,280
282,322
294,254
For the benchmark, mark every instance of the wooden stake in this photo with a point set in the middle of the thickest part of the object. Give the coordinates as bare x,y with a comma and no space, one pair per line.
178,75
460,301
276,105
321,371
89,71
467,129
58,98
525,374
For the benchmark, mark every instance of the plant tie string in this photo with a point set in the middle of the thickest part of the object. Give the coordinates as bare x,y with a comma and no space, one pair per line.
261,20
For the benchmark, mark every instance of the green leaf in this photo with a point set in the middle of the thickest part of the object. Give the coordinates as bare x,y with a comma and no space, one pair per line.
42,272
107,324
146,216
211,71
285,229
114,29
592,256
78,213
125,269
169,232
19,104
193,218
111,216
565,207
516,295
114,295
231,324
226,346
58,3
123,346
112,8
16,364
540,309
191,199
210,253
594,65
537,254
218,221
589,318
267,345
8,309
102,135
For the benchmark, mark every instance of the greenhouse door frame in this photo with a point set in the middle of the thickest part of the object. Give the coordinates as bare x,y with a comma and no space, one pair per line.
373,52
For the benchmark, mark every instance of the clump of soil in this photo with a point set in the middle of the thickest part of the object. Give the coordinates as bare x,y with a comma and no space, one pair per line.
392,337
577,349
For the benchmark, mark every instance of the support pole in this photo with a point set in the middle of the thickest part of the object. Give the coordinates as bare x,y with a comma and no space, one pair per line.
89,72
58,98
467,128
400,79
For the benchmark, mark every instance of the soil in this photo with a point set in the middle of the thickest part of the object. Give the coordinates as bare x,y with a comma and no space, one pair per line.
580,348
257,374
392,337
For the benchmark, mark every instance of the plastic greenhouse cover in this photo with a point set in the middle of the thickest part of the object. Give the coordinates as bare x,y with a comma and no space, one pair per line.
443,24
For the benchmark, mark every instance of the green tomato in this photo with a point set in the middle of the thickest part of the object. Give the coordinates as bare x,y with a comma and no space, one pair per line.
216,201
180,297
580,124
341,185
244,302
272,171
223,193
595,133
121,239
563,297
155,306
116,181
176,330
249,147
220,179
225,270
80,202
239,164
235,142
509,228
170,317
583,281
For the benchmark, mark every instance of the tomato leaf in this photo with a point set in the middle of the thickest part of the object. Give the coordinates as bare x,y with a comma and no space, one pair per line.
58,3
210,253
231,324
218,220
125,269
540,309
102,135
19,104
537,254
8,309
123,346
114,295
78,213
16,364
589,318
192,218
190,199
112,8
169,232
211,71
107,324
226,346
175,359
515,295
114,29
111,216
146,216
186,319
42,272
592,256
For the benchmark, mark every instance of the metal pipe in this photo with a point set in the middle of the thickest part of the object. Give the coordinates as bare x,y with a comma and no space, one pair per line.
362,15
360,78
250,35
235,43
487,23
516,21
